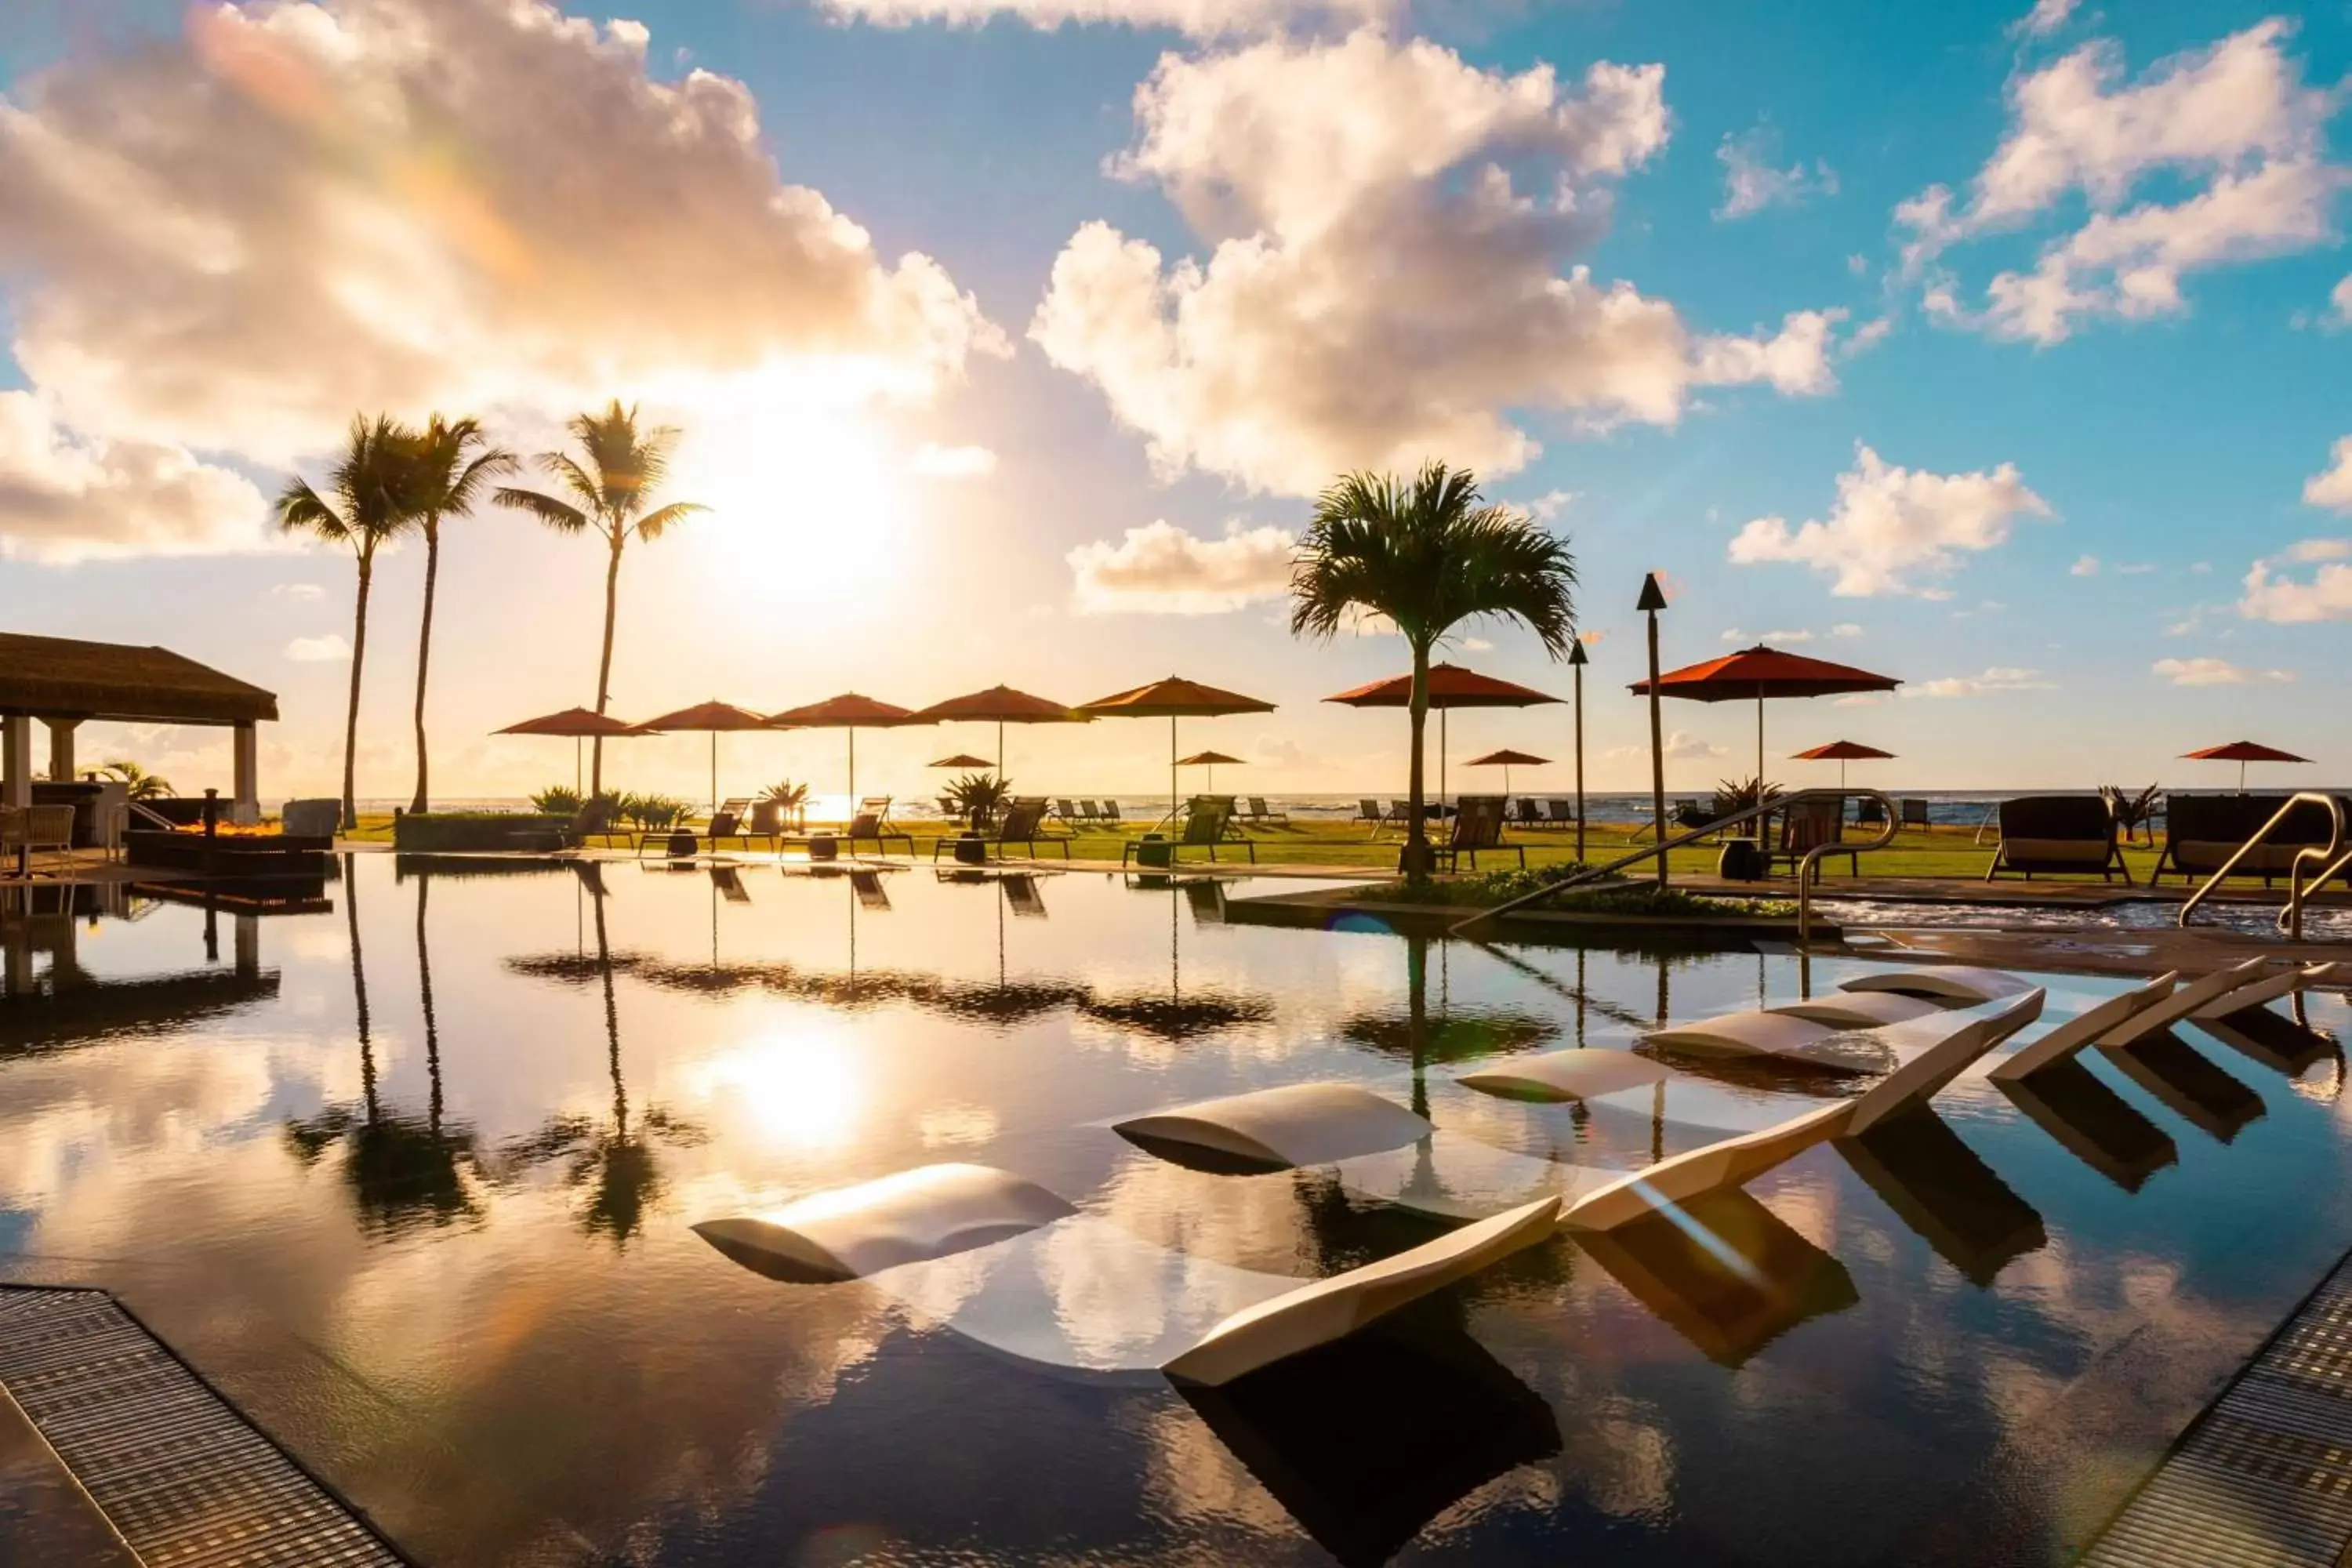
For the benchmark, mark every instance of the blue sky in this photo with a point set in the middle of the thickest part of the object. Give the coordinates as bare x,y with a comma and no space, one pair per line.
2101,462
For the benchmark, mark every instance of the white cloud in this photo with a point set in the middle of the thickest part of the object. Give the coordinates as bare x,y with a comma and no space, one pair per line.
2332,487
1200,19
1891,525
935,461
1997,678
1548,506
2291,600
328,650
2339,303
475,205
1389,234
67,498
1682,746
1845,629
1737,636
1859,699
2209,671
2046,17
2084,566
1161,569
302,592
2134,568
1476,644
1751,182
2233,121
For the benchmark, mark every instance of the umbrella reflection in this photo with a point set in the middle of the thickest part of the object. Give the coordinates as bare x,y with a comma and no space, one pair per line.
1728,1274
2189,1085
614,1164
402,1171
1940,1187
1366,1440
2092,1122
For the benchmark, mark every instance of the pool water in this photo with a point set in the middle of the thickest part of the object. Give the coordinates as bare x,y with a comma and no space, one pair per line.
409,1170
2321,923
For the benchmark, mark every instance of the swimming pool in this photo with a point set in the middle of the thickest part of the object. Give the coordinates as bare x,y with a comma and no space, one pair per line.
410,1174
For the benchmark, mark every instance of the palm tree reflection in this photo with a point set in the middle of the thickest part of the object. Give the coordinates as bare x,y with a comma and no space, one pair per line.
403,1171
614,1164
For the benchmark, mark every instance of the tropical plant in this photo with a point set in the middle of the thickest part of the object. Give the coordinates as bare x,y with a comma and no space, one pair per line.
785,793
1428,553
1733,797
448,482
371,493
556,800
610,485
137,782
2132,813
976,797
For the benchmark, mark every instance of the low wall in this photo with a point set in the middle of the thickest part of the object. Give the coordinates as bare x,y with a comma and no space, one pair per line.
429,833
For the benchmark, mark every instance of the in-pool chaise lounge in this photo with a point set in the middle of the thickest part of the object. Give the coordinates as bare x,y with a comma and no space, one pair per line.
1841,1033
1015,1267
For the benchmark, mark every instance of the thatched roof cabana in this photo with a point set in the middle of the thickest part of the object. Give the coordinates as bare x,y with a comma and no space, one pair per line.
61,678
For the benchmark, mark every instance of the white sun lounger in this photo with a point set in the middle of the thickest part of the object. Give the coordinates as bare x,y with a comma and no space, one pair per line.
2187,1001
2082,1029
1012,1266
1860,1009
1943,982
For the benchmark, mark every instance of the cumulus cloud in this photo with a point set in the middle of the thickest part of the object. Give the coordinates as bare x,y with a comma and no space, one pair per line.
1999,677
937,462
1892,525
301,591
1162,569
2339,303
2332,485
328,650
2046,17
1752,181
1390,236
2084,566
1734,634
2326,595
1845,629
478,205
1200,19
2234,123
1682,746
67,498
2210,671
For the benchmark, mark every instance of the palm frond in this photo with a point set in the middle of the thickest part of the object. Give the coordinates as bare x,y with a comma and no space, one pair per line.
301,510
652,525
554,513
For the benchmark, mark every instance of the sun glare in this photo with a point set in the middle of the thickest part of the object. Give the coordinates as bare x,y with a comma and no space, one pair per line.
800,1087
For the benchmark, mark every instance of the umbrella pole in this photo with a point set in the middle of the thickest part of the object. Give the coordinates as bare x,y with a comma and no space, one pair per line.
1171,772
1580,784
1441,764
1759,745
853,770
1657,767
575,764
714,786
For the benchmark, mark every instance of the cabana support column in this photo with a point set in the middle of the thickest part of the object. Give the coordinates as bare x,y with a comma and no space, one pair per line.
61,750
245,807
16,760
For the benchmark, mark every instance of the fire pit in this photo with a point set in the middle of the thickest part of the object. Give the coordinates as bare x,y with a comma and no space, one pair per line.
225,850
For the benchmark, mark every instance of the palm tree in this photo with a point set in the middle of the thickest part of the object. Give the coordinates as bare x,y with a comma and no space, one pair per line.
138,784
1428,553
374,492
623,467
448,485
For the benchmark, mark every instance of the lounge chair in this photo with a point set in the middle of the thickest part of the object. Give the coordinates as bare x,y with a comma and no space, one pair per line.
1258,814
2202,831
873,821
1530,812
2057,835
1477,826
1110,812
1400,813
1561,812
1070,812
592,820
25,830
1868,812
1019,824
1205,821
1806,825
1915,813
721,825
1368,810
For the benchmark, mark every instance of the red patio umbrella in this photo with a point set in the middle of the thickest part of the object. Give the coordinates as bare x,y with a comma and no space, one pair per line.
2242,752
1172,699
1508,759
1760,672
713,718
1208,760
999,705
848,712
963,760
1450,687
578,723
1842,753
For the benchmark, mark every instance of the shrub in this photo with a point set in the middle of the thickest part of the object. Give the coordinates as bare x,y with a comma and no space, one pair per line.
556,800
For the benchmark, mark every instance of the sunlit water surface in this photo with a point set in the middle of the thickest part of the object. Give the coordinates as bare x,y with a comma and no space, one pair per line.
411,1173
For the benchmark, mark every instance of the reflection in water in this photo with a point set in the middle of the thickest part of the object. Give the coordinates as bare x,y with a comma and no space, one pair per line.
616,1164
2094,1123
1941,1189
1728,1273
2282,1044
1366,1441
2189,1085
402,1171
67,1005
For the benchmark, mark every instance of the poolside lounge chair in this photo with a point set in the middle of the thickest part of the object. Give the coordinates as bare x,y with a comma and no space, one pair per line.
873,821
1400,813
1368,810
1477,826
1915,813
1259,813
2202,831
592,820
1206,817
1806,825
2057,835
1019,823
1561,812
678,840
1110,812
1529,813
1868,812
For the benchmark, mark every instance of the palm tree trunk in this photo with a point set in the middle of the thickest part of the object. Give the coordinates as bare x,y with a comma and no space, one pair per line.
352,717
425,653
1416,830
604,665
359,988
424,1002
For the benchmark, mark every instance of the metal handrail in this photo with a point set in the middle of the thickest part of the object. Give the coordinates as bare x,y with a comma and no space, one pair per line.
2290,919
1763,808
2293,914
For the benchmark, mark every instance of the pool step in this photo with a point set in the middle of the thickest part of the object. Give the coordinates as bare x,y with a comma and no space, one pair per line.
2264,1476
184,1478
